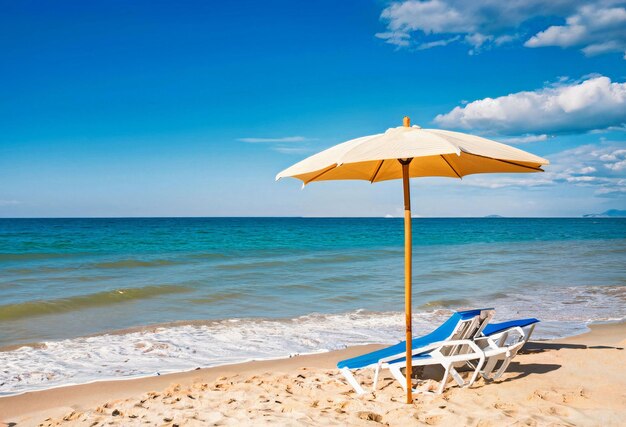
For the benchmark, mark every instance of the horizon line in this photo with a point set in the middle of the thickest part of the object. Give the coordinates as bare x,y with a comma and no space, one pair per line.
491,216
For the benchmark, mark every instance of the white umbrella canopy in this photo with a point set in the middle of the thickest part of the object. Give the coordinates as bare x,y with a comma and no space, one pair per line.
434,152
407,152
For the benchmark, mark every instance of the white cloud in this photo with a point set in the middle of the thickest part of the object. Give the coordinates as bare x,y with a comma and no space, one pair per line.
593,26
478,39
437,43
9,202
524,139
595,103
284,145
272,140
290,149
588,169
601,168
616,161
495,182
594,29
506,38
430,17
396,38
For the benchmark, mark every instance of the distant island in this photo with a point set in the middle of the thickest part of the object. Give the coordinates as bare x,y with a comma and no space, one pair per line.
611,213
494,216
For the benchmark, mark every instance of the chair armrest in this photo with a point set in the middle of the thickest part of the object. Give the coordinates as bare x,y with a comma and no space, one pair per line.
470,343
494,337
433,346
490,342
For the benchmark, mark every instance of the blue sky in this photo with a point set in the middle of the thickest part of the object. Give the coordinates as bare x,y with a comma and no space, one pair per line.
155,108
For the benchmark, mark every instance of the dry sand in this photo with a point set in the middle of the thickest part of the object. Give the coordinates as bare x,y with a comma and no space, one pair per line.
575,381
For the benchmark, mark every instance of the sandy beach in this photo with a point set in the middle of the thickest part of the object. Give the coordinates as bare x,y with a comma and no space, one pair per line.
579,380
207,207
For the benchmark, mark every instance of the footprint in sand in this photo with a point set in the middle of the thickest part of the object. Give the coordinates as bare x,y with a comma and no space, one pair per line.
548,395
370,416
572,396
433,420
506,408
557,411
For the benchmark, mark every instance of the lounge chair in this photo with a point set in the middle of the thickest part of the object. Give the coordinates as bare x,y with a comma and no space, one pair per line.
501,341
450,345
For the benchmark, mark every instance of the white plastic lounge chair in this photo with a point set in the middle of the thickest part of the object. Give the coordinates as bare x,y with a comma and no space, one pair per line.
450,345
501,341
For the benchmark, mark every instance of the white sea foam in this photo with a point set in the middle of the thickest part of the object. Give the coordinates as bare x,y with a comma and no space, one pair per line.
563,311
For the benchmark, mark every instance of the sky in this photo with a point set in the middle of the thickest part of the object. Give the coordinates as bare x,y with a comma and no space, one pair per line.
190,108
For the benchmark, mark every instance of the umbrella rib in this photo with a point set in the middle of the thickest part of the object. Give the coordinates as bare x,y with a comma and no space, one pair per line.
451,167
331,167
380,165
536,169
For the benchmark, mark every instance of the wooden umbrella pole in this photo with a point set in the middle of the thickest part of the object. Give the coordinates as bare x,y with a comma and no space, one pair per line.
407,277
408,252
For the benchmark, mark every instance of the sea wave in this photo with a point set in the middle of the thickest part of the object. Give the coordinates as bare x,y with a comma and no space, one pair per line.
251,265
445,302
134,263
305,259
217,297
185,346
79,302
29,256
169,348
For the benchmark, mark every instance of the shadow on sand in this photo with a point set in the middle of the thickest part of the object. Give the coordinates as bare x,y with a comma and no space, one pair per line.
525,369
541,346
520,370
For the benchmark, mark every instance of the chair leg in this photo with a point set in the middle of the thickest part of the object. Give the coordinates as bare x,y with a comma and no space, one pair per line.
444,380
530,332
397,374
503,338
513,352
505,365
491,364
351,380
457,377
479,365
376,378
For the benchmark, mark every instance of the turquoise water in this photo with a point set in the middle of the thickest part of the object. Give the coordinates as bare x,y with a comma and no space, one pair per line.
284,284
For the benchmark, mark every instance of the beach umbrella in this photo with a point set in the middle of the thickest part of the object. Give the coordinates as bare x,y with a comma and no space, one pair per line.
407,152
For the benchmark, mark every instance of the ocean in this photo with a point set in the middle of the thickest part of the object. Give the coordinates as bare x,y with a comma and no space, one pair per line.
89,299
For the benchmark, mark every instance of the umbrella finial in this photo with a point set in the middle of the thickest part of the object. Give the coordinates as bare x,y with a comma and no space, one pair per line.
406,121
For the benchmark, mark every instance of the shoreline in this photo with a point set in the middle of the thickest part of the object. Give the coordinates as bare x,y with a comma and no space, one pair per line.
28,403
39,405
176,372
153,328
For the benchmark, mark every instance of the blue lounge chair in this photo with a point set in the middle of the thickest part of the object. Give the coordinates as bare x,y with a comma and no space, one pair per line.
501,342
450,345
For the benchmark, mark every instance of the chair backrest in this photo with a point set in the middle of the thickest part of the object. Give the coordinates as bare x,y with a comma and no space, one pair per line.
470,325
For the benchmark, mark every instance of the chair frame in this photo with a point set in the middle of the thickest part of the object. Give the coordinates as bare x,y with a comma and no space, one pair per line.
496,349
457,350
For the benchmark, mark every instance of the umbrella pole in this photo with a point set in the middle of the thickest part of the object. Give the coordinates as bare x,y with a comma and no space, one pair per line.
407,277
